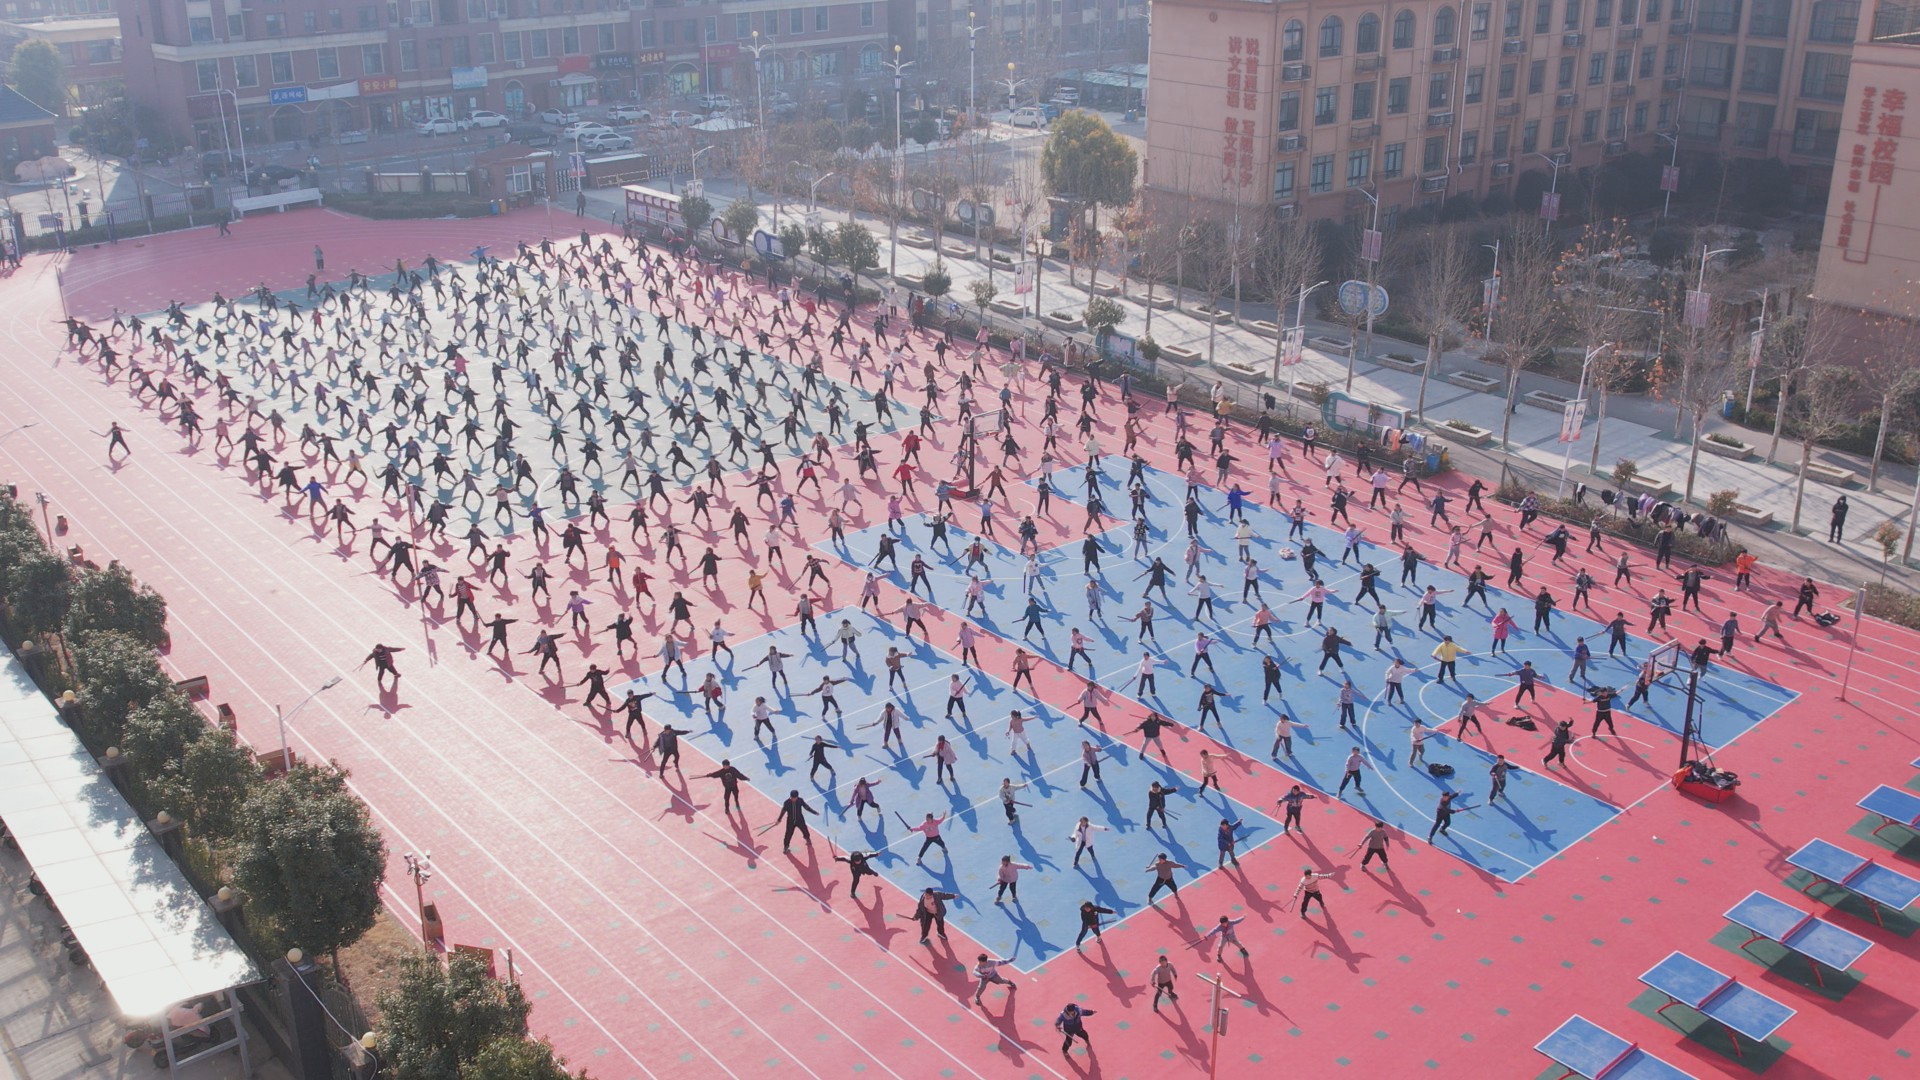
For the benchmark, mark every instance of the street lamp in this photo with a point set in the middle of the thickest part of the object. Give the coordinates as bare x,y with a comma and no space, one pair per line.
759,95
1553,193
1370,251
696,165
1012,84
1579,407
1297,336
1759,342
44,501
419,868
1673,162
899,165
286,760
1493,297
972,112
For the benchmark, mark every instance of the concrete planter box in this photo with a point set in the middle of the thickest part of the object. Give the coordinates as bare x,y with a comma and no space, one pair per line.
914,238
1245,372
1062,320
1659,489
1473,380
1160,302
1738,451
1465,436
1264,328
1747,515
1000,258
911,281
1181,354
1305,392
1009,308
1828,474
1331,344
1107,289
1401,363
957,251
1545,399
1212,314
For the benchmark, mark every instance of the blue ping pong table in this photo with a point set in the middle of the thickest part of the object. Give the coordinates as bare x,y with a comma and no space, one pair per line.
1815,938
1740,1009
1584,1048
1881,886
1894,807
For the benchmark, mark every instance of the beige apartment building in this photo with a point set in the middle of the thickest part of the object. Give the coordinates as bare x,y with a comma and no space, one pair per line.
1313,106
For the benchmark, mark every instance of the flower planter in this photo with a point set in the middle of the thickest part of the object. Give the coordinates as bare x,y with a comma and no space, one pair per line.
914,238
911,281
1307,392
1160,302
957,251
1659,489
1332,345
1245,372
1473,380
1180,354
1062,320
1401,363
1546,399
1009,308
1212,314
1265,328
1105,288
1464,436
1737,450
1747,515
1000,258
1828,474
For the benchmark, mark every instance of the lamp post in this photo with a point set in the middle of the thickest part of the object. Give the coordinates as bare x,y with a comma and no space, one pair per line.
759,95
42,498
286,759
899,165
1217,1018
696,163
1553,193
1659,347
1579,406
813,188
1759,342
420,869
1013,86
1297,335
1370,251
1493,295
1673,162
972,112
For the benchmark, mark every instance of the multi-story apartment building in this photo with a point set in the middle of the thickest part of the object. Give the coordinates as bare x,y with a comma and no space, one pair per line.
1317,105
293,68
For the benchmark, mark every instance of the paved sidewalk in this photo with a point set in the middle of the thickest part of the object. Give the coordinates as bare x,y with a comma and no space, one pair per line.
1636,427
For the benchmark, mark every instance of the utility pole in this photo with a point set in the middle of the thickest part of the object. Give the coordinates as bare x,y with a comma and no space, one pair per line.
1550,206
899,165
1217,1019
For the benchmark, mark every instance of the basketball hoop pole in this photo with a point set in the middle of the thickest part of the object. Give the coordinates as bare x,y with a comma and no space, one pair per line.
1859,606
1688,724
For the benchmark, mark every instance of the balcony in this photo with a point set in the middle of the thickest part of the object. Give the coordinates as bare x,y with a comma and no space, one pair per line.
1626,34
1513,47
1679,29
1294,72
1369,63
1673,83
1566,99
1360,133
1445,55
1432,184
1440,119
1572,40
1621,90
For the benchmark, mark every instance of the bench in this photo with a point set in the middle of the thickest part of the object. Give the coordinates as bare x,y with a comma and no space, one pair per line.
196,687
1584,1048
1880,886
278,200
1818,940
1893,807
1737,1008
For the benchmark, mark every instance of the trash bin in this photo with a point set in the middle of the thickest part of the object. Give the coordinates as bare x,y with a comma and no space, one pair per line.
1433,462
493,207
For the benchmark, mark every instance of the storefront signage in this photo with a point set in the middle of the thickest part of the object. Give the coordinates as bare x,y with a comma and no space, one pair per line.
469,78
287,95
653,56
606,61
572,64
380,84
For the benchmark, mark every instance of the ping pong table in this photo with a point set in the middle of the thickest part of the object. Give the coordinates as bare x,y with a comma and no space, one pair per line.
1739,1009
1818,940
1881,886
1894,807
1584,1048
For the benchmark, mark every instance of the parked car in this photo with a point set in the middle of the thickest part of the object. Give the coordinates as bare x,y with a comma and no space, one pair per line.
1067,95
1029,116
606,140
272,177
681,118
716,102
216,163
584,127
559,117
439,125
531,135
630,114
485,119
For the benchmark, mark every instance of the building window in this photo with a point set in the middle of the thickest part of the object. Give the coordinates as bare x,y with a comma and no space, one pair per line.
1712,65
1675,54
1439,89
1647,56
1398,92
200,30
743,26
1320,179
1816,132
1559,132
1629,12
1536,76
1363,101
1359,167
1542,16
1481,21
1623,65
711,27
367,17
870,60
1443,26
1572,18
1393,161
1753,125
1640,118
1333,33
1653,10
1602,13
282,67
435,61
1326,105
510,46
1501,137
1366,34
1718,17
1476,85
310,22
796,21
1596,69
1510,25
327,63
539,44
1469,148
1403,30
1769,18
1590,125
246,72
1565,79
409,55
1293,41
207,74
1701,117
1283,180
1287,115
570,41
826,65
276,24
1836,20
236,26
1617,122
1760,69
1530,137
821,19
1509,80
1825,76
866,14
373,60
1433,156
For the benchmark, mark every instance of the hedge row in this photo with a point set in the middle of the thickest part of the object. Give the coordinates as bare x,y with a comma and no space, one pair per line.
1686,545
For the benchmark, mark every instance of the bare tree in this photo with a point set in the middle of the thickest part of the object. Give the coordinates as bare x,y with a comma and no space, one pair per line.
1704,372
1597,304
1290,253
1526,319
1439,297
1792,347
1824,407
1893,369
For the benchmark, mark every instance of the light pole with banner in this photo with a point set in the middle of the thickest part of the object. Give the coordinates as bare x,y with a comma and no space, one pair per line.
1217,1019
1290,347
1550,201
1571,417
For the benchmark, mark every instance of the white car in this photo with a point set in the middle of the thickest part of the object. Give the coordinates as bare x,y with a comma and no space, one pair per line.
584,127
559,116
716,102
439,125
681,118
606,140
484,119
629,113
1031,116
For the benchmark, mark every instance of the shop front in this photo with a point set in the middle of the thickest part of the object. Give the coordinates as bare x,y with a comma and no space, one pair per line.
576,83
615,71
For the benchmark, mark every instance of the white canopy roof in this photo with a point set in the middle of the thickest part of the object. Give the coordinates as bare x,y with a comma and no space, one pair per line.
150,936
722,123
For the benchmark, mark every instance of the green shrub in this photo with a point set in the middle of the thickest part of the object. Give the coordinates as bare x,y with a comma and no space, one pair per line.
1686,544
